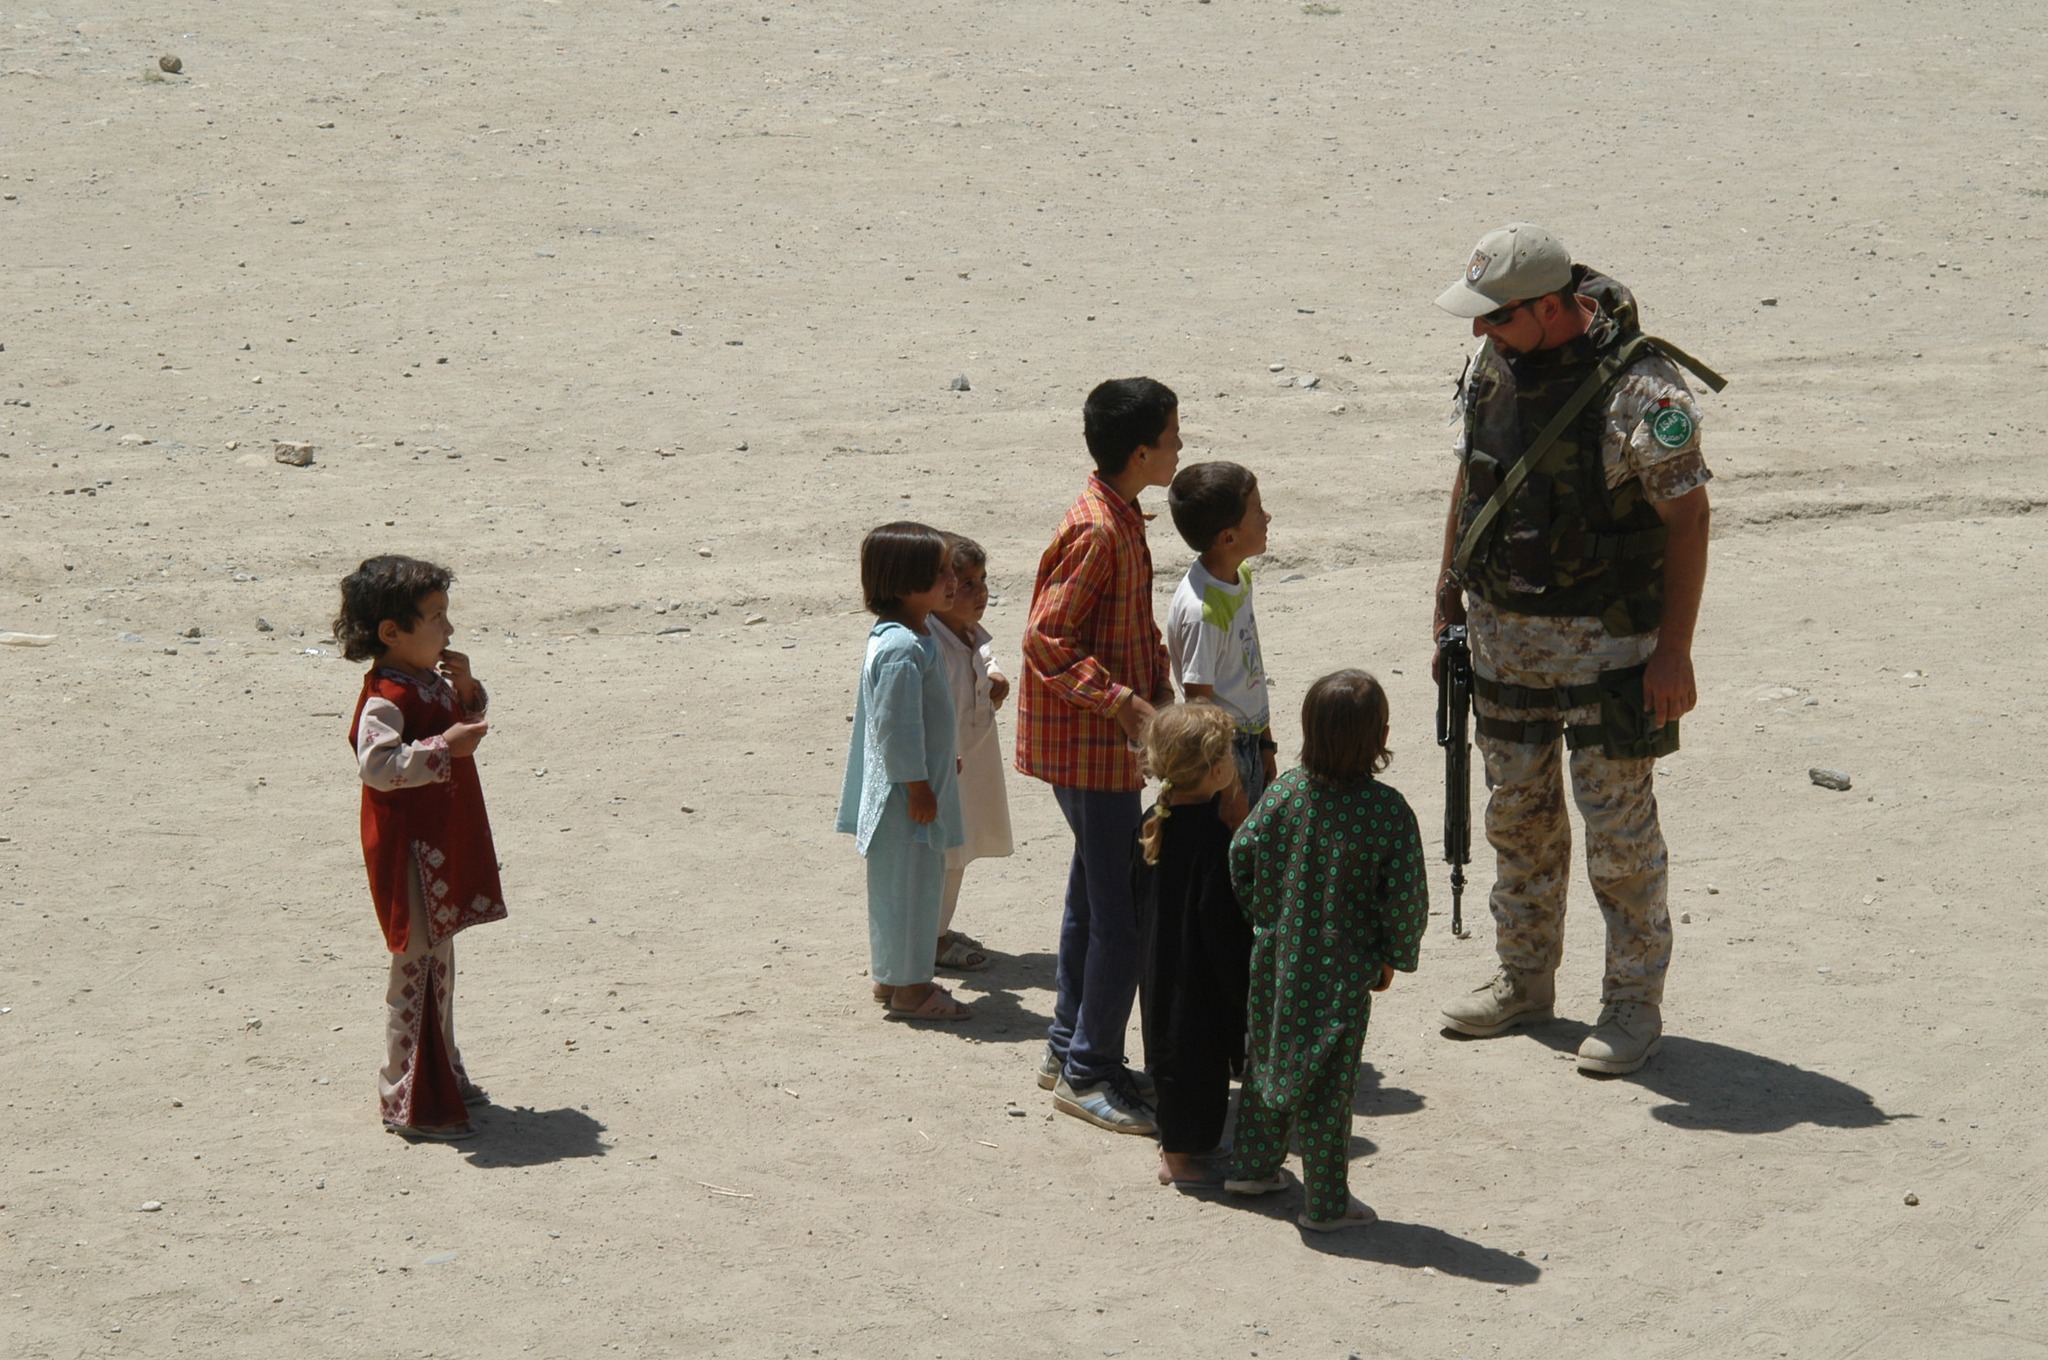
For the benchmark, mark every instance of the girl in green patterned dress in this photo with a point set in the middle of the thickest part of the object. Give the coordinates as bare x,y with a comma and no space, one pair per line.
1329,869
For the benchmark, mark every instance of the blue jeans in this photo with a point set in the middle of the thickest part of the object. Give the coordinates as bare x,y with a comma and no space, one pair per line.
1097,977
1251,766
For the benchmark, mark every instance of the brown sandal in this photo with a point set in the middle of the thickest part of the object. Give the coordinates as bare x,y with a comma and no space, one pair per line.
938,1004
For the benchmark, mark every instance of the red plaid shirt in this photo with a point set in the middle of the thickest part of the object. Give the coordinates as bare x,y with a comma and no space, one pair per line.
1090,645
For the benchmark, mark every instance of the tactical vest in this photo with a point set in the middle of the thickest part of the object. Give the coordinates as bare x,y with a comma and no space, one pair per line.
1565,543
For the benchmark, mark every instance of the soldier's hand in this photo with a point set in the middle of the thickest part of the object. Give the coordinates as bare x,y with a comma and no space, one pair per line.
1386,978
1668,689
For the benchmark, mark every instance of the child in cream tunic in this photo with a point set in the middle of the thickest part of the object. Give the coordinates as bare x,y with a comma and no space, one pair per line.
979,689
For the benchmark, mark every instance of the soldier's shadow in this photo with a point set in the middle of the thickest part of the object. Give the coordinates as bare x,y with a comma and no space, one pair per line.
1713,1086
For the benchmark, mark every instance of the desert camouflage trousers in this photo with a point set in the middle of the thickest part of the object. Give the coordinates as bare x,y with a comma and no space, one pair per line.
1525,817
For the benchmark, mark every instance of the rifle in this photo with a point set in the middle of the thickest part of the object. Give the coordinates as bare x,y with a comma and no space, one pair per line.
1453,712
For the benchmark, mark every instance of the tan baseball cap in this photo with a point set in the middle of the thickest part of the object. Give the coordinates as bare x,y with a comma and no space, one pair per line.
1519,261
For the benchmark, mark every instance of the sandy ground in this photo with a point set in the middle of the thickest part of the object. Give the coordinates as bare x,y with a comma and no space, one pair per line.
639,314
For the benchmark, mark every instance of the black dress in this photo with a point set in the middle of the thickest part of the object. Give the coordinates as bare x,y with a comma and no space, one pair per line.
1195,969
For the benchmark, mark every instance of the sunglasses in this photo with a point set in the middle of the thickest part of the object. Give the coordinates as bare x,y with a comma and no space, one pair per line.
1500,316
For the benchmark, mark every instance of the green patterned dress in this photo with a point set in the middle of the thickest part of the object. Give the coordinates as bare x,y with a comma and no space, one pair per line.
1334,883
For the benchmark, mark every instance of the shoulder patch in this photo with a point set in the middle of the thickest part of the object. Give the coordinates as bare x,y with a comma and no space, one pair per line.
1671,426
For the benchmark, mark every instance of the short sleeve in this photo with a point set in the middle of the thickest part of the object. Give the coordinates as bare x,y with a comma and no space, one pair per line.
1653,432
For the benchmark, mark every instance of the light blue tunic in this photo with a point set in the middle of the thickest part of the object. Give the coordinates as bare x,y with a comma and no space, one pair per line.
902,732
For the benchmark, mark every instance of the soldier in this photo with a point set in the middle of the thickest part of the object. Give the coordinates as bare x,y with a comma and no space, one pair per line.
1577,539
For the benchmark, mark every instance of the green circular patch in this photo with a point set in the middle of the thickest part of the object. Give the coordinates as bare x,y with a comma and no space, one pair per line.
1672,427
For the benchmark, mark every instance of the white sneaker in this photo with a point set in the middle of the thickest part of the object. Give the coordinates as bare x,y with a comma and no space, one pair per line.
1111,1104
1628,1033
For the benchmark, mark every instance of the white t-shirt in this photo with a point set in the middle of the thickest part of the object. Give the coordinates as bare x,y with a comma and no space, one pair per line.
1212,639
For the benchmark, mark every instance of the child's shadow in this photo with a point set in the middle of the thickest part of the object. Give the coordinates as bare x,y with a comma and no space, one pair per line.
1413,1246
1409,1245
524,1137
1371,1098
1000,1016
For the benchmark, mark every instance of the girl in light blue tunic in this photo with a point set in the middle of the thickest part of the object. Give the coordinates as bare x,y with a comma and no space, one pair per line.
901,798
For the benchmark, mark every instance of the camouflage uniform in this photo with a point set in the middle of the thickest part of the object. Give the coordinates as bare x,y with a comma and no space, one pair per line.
1525,815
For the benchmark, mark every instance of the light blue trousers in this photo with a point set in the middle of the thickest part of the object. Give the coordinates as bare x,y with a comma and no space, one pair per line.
906,881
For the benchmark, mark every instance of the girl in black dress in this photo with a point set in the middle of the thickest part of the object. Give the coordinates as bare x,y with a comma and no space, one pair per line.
1195,942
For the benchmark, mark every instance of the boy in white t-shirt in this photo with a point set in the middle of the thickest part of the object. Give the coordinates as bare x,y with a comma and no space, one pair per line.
1211,636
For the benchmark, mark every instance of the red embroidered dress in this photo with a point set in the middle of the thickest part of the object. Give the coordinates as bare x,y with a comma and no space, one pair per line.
428,819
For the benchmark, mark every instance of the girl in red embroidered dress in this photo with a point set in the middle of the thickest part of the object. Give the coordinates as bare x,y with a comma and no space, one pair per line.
426,838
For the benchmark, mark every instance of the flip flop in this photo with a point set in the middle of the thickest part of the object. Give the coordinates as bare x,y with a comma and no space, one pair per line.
1357,1216
1242,1186
938,1004
416,1133
957,954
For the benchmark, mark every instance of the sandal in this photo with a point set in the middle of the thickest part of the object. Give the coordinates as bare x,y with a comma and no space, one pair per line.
959,955
1356,1216
882,992
938,1004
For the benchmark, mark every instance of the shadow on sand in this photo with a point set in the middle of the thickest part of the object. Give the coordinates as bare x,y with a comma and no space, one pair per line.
524,1137
1410,1246
1713,1086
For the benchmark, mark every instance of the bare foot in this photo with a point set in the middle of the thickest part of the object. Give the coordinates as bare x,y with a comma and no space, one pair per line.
1185,1168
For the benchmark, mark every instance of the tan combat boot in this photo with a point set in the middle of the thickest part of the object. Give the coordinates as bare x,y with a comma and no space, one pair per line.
1512,998
1628,1033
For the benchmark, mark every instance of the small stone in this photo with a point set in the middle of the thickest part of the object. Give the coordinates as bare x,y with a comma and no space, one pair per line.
960,384
1837,780
233,444
1767,302
741,446
192,632
177,1104
263,626
1713,891
131,637
1015,1112
1274,368
756,618
1429,1270
703,552
1912,1200
169,65
150,1206
687,808
1685,918
296,454
320,1184
1307,380
252,1023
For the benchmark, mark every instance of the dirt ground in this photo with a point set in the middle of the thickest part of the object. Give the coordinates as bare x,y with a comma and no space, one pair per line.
639,314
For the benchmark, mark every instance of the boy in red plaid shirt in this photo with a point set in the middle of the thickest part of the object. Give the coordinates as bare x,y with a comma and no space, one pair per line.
1094,667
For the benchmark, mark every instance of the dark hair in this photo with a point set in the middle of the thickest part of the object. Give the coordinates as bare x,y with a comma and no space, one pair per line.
1343,728
383,588
899,559
1207,498
1122,415
964,551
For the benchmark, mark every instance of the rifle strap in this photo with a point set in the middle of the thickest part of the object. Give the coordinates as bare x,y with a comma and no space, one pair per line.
1603,375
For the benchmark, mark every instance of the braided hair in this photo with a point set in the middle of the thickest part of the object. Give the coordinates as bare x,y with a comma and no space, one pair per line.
1183,742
